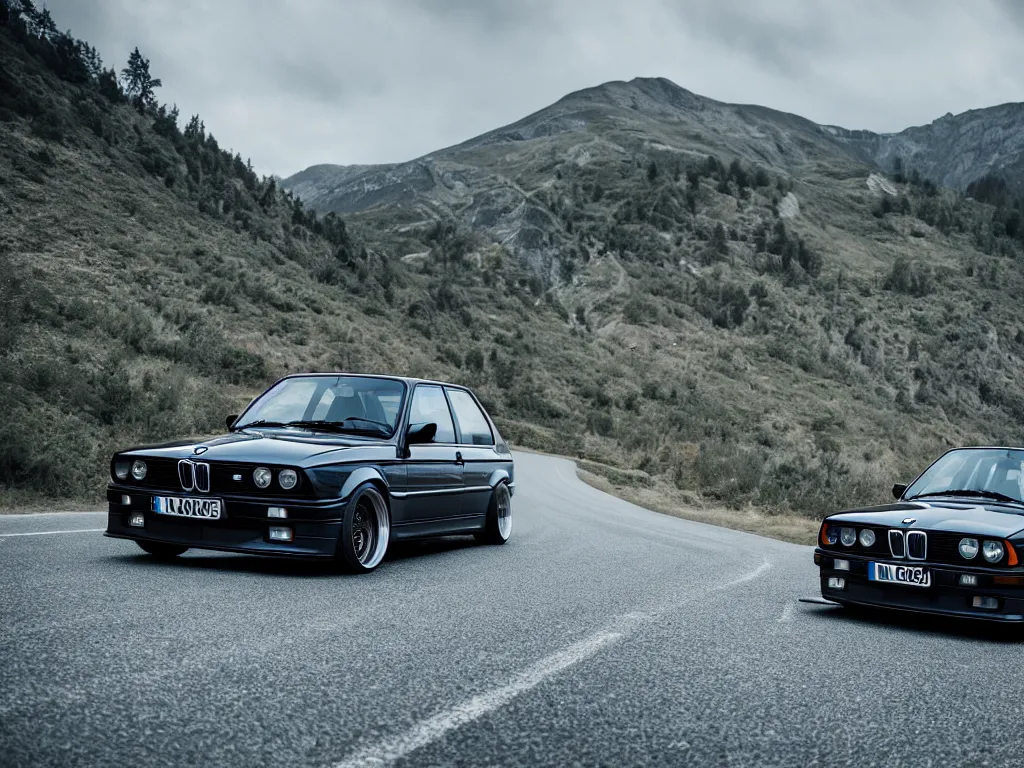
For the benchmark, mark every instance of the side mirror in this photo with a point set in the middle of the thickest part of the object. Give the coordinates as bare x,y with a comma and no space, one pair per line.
421,433
231,420
898,489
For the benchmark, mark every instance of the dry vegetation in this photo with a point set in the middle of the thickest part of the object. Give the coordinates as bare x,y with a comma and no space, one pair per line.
698,349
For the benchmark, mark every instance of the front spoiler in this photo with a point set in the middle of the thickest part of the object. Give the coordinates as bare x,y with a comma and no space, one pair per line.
944,598
244,528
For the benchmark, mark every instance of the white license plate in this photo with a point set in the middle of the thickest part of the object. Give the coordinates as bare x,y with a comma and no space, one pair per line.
205,509
911,575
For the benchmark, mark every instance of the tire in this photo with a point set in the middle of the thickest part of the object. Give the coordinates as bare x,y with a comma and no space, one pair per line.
498,527
365,531
162,551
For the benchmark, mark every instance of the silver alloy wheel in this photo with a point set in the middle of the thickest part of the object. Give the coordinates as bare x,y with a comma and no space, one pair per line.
370,530
504,512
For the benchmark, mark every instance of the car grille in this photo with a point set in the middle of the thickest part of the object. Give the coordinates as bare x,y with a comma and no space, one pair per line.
172,476
939,547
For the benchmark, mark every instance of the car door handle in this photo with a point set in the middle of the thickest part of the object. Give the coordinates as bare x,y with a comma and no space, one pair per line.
458,458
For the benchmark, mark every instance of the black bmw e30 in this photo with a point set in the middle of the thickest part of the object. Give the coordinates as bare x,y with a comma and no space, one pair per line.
331,466
952,544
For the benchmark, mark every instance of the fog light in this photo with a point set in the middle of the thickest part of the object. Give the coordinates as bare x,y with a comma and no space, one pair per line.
137,520
278,513
988,603
281,534
126,501
841,565
835,582
968,580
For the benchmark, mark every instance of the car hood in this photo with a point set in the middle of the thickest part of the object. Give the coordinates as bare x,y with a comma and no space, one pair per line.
269,447
954,517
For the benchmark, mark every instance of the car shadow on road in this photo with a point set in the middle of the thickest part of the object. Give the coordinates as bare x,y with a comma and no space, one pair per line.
920,623
291,567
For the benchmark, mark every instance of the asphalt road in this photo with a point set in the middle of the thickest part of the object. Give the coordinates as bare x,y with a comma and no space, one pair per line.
602,634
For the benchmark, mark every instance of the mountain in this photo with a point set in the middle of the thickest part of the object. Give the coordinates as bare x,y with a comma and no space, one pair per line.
489,184
952,151
724,301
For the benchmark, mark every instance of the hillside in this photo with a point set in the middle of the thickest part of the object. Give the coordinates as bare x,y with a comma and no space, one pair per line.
727,300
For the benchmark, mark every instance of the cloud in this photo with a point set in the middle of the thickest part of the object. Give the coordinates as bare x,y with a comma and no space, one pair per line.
311,81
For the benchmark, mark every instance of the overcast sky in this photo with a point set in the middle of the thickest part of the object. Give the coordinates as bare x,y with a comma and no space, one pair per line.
292,83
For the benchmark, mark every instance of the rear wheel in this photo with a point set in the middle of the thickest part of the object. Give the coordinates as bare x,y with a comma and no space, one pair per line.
162,551
365,531
498,527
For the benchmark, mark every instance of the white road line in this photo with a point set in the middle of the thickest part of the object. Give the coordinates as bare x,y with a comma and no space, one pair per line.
747,577
50,533
433,728
32,515
389,751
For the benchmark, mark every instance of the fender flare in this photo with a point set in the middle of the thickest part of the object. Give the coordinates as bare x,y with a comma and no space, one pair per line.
364,475
499,476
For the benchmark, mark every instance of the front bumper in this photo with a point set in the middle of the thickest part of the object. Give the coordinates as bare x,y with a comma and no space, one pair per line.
944,597
243,527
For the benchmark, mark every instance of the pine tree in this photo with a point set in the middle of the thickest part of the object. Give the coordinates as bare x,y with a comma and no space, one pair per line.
139,84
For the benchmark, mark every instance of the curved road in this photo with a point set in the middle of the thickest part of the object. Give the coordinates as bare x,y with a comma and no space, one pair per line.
602,634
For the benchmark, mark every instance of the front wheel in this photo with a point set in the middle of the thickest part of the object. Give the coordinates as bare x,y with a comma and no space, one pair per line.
162,551
498,527
365,531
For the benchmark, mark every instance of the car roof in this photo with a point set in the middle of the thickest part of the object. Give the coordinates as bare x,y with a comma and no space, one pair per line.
411,381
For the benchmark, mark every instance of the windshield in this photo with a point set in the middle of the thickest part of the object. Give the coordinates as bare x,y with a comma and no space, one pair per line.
359,405
995,473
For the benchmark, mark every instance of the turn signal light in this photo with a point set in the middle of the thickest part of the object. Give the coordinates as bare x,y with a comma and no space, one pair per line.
968,580
841,565
1011,554
1008,581
126,501
279,513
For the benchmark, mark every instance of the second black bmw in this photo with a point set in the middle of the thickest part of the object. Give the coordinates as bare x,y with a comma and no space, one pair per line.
322,466
952,544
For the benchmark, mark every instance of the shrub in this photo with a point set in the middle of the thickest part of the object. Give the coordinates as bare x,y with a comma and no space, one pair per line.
909,278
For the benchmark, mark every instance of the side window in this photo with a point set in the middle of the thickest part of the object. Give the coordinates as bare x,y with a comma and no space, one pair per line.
429,405
472,422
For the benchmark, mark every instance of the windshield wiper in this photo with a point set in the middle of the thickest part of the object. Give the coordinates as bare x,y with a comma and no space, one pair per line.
261,423
971,493
379,428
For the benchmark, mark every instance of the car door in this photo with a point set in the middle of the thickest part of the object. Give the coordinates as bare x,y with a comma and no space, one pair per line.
476,446
434,470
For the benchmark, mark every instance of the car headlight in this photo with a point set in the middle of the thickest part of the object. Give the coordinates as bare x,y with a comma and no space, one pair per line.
968,548
831,535
867,537
288,479
121,468
262,477
848,536
139,470
992,551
